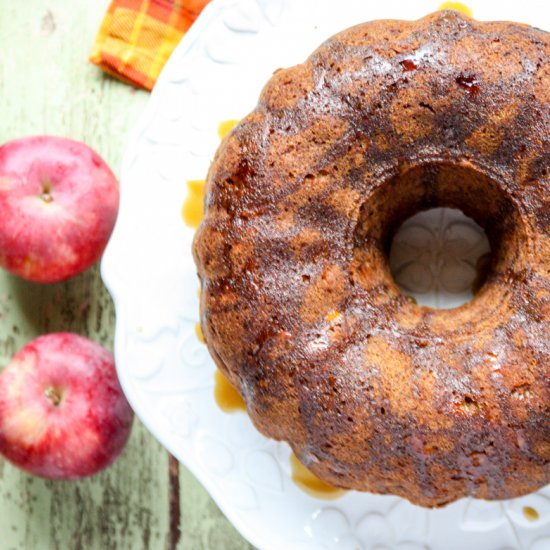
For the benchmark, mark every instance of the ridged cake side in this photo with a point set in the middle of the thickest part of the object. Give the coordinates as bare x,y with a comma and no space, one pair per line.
298,306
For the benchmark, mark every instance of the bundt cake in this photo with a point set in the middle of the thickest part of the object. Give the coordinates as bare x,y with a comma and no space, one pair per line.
298,305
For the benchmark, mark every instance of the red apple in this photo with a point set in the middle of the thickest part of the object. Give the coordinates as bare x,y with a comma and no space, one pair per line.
58,206
62,411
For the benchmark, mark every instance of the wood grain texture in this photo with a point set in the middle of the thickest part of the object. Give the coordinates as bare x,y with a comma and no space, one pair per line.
145,500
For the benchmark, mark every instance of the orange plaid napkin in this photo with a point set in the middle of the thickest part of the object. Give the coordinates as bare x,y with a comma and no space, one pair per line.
136,37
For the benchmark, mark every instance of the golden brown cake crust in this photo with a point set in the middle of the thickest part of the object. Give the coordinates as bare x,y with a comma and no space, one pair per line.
298,306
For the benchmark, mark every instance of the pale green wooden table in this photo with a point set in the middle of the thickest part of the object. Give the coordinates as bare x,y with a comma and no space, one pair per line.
146,500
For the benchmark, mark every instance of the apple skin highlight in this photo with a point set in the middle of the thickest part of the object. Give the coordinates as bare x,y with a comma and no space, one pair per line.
58,204
63,414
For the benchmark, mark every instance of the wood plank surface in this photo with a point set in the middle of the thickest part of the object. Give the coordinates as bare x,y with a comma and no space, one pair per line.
146,499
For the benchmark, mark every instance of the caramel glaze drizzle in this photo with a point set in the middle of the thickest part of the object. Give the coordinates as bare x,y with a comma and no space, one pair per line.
457,6
310,483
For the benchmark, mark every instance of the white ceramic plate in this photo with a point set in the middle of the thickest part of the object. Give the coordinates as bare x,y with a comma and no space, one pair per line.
216,74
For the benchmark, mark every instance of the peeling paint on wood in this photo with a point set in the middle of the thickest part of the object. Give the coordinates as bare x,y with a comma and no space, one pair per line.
145,500
175,508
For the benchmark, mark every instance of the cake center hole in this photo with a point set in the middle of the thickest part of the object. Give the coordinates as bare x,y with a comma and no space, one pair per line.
440,257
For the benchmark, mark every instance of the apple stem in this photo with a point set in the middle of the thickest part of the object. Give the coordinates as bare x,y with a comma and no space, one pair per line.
46,194
54,395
